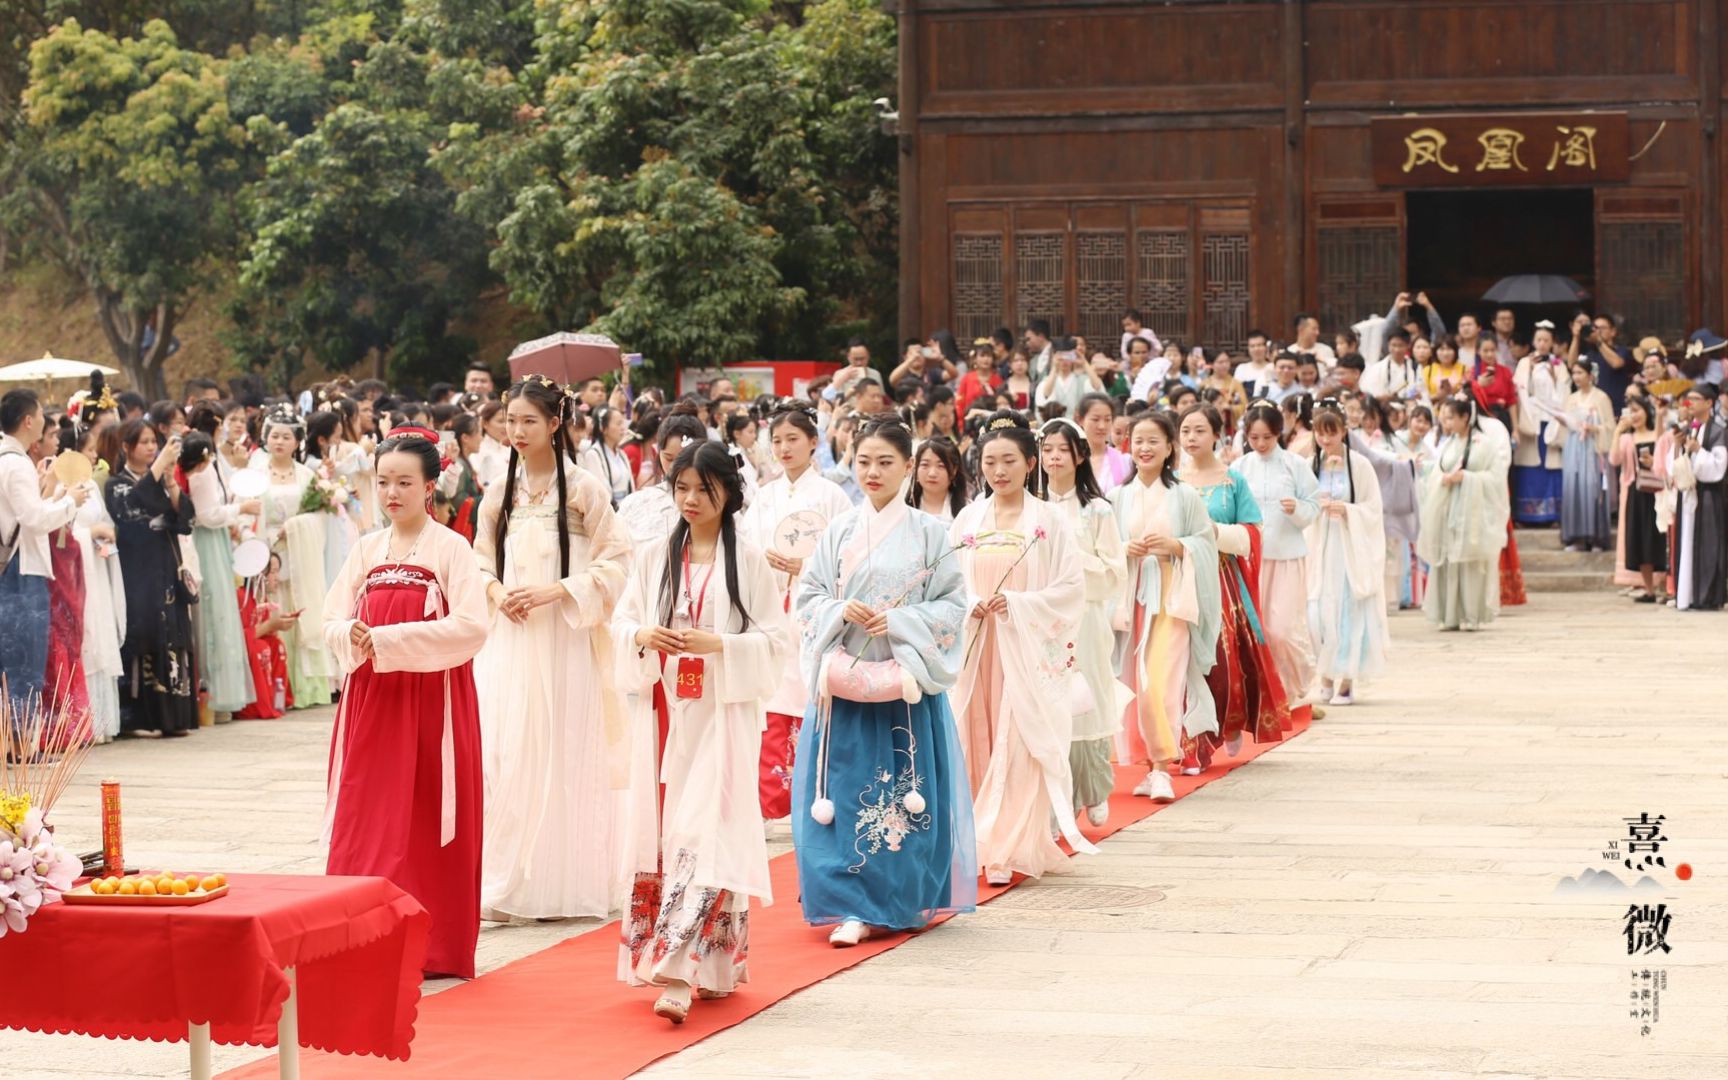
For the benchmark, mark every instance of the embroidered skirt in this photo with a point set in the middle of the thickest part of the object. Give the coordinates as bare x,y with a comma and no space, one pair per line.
879,862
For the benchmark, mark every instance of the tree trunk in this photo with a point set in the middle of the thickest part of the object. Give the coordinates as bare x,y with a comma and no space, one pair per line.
156,360
124,329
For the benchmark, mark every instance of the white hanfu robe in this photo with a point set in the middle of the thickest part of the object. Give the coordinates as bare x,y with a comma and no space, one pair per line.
1012,702
104,618
1098,711
1347,576
552,728
696,858
1463,530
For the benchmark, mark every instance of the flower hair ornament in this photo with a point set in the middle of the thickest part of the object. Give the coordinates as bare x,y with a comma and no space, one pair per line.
1000,423
286,415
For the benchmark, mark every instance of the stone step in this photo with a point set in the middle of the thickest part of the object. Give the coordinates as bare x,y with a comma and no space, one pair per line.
1578,561
1553,581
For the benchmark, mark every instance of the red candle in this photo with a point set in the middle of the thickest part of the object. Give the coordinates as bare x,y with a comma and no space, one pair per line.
113,859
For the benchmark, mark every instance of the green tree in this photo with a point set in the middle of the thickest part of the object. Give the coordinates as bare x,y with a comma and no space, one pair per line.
702,179
133,172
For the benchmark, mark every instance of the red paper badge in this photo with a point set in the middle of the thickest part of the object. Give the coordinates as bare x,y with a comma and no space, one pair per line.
691,672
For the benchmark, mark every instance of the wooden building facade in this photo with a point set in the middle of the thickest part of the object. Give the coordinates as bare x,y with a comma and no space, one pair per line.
1222,165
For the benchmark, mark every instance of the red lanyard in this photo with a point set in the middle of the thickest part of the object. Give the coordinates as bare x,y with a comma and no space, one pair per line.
701,597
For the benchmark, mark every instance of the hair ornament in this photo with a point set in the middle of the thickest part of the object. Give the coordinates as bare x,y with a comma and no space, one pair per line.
1001,422
1261,403
285,414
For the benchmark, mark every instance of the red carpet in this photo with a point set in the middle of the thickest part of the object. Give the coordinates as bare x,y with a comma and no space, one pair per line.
562,1012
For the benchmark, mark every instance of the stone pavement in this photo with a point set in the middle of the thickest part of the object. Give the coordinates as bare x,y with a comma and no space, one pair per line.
1376,899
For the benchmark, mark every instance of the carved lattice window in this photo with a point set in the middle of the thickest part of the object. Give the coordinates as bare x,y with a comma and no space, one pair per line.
1162,281
977,286
1101,287
1359,273
1040,278
1224,290
1643,279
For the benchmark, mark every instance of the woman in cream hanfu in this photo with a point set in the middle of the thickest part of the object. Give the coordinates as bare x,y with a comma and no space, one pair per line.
1285,488
404,620
1346,564
300,541
554,558
1099,700
1465,508
882,820
1025,597
702,642
793,436
1174,605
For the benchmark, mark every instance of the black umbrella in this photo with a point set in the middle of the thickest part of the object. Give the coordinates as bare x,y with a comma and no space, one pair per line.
1536,289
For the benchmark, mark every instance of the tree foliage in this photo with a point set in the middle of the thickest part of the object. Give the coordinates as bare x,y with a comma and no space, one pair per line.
703,179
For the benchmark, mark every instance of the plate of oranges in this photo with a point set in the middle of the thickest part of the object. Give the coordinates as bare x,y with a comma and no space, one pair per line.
160,889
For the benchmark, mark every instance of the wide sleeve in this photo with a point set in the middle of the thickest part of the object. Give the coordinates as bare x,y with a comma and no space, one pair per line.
1364,533
209,509
1196,578
1103,557
636,666
1604,410
753,660
1233,538
925,634
485,551
1305,491
593,591
441,643
1055,606
339,608
817,603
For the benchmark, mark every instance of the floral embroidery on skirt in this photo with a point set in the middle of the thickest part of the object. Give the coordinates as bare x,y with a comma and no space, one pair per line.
675,931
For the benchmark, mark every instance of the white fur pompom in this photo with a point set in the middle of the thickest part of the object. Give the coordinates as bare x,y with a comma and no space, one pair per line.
914,802
822,810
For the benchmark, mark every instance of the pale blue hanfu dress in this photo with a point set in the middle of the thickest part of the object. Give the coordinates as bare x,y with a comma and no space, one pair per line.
900,847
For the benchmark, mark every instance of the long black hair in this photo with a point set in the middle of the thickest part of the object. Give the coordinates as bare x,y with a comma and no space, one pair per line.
1010,425
724,484
1085,482
944,450
1329,419
554,405
1465,407
1263,412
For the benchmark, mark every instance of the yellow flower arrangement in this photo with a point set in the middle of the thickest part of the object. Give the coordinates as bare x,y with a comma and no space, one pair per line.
13,810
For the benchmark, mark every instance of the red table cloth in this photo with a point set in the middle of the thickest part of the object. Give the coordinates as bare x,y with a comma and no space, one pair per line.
355,943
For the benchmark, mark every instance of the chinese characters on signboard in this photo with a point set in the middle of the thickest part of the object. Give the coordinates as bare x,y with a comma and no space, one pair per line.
1499,150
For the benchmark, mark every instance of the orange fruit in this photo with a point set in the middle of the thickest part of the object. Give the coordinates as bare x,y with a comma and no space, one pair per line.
221,879
146,888
98,887
181,888
128,887
210,884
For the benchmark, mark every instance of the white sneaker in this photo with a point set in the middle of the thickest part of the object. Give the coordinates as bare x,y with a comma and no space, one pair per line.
1099,814
1161,789
1342,697
998,877
848,934
1233,745
1190,770
1144,787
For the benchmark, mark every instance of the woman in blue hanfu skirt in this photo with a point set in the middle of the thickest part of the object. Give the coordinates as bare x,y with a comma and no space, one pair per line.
881,804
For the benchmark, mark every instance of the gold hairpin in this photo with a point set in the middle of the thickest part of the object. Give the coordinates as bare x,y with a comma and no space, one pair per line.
1004,422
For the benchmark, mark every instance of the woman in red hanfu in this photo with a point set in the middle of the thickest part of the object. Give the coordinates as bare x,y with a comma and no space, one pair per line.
261,621
1497,395
404,619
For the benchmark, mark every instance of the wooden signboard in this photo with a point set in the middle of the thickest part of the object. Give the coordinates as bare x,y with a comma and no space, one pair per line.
1500,150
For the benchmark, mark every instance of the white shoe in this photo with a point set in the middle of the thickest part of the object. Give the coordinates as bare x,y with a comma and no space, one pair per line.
998,877
1099,814
1342,697
1233,745
1144,787
1191,770
1161,789
848,934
